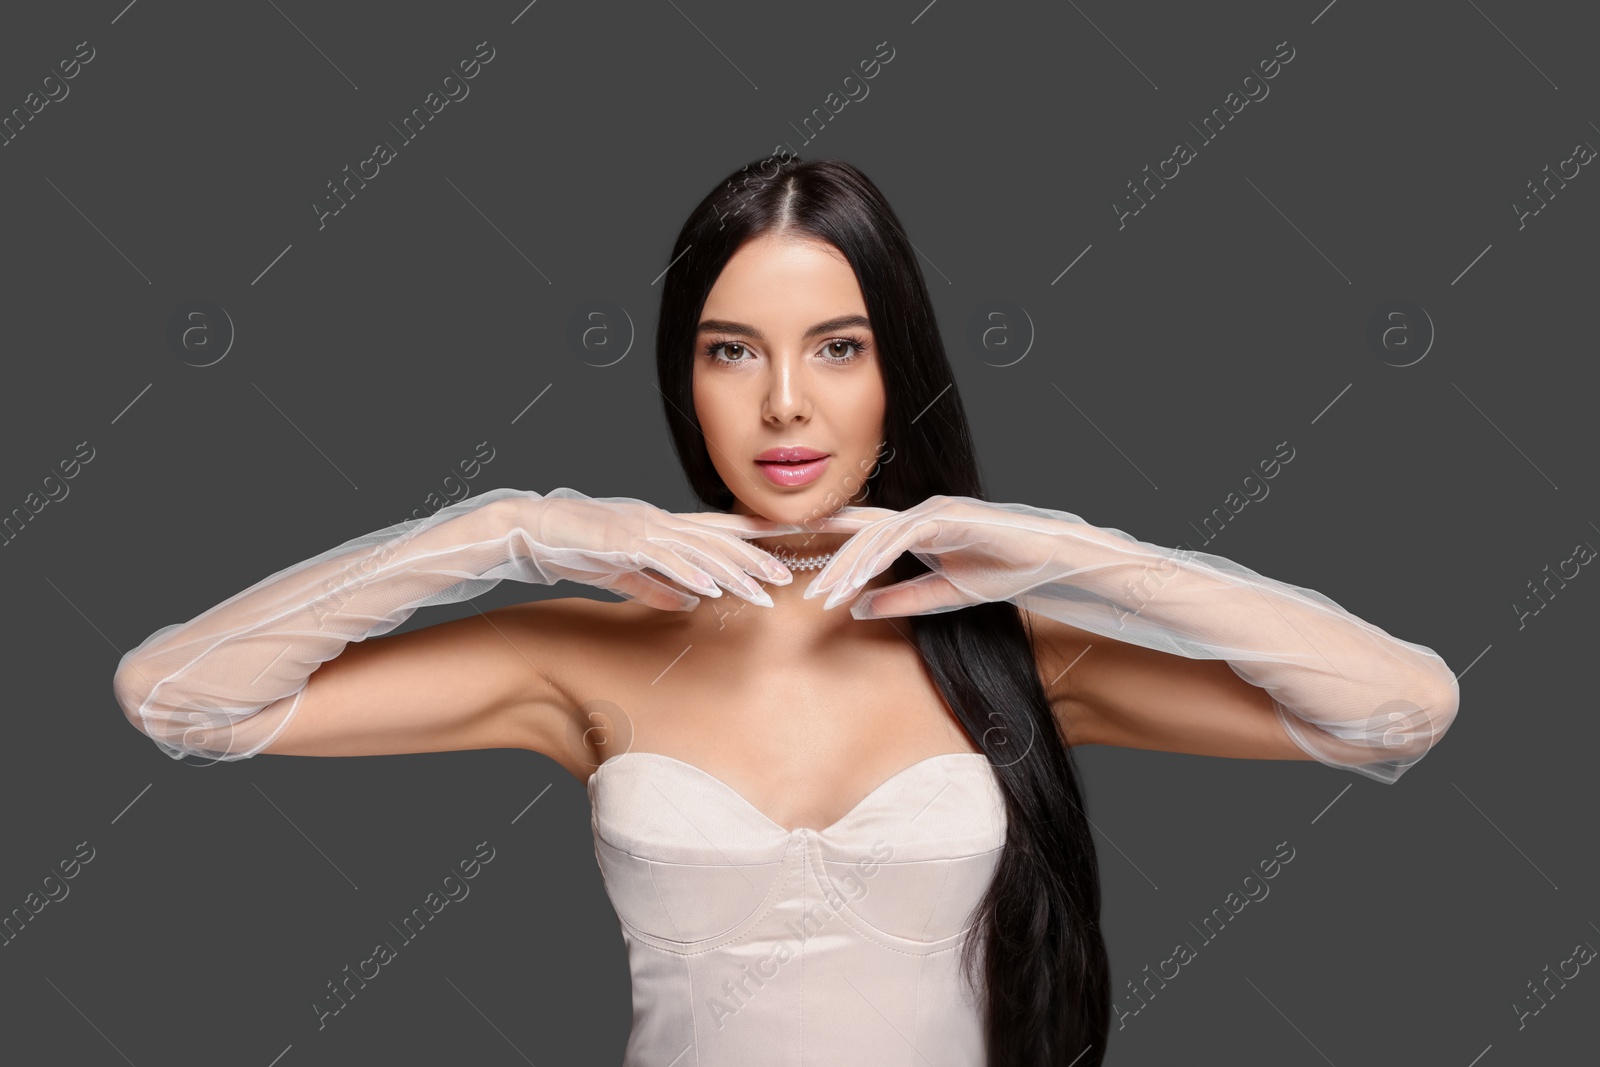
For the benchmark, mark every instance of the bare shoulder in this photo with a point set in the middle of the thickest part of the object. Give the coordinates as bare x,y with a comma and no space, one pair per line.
570,644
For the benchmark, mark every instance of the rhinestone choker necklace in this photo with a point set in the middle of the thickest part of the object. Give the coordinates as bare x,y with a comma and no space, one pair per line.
800,563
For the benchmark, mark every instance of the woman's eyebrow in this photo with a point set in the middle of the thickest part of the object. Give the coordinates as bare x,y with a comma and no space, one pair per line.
842,322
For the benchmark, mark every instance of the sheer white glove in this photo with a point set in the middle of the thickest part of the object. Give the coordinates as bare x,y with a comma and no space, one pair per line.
1347,693
224,685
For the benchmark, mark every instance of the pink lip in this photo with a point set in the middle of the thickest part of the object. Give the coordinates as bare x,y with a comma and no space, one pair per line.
789,454
793,473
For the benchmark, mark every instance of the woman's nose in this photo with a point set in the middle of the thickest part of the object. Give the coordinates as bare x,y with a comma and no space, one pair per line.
787,391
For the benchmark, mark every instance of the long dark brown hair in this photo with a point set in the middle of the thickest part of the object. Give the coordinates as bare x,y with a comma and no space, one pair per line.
1046,980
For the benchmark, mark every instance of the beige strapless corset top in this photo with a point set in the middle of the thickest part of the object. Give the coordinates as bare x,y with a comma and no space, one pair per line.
753,944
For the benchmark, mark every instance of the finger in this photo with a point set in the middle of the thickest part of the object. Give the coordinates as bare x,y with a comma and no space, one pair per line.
870,524
672,564
849,520
727,560
757,561
925,594
734,530
742,525
858,559
652,592
712,555
875,554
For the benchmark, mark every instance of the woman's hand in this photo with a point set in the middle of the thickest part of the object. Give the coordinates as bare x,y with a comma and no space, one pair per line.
1343,690
978,551
609,541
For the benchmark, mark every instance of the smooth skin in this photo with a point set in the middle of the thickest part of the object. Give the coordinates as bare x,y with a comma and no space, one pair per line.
801,709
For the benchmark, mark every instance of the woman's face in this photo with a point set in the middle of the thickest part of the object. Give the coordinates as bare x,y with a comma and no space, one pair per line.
785,357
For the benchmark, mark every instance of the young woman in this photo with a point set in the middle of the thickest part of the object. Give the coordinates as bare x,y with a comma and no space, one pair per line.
831,836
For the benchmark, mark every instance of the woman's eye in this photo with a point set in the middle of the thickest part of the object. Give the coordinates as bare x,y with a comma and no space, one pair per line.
838,350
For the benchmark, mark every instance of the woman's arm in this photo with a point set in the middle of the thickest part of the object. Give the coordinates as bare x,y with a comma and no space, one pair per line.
1190,652
226,684
1340,689
1108,692
482,681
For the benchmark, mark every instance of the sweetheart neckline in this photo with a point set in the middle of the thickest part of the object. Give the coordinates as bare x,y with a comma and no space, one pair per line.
740,797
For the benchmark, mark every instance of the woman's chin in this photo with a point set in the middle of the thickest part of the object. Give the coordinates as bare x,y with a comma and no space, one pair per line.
813,510
804,512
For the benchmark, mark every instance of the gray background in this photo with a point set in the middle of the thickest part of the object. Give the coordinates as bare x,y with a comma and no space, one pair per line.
372,355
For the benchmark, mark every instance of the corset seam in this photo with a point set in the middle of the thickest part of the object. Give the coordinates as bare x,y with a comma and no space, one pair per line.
775,896
662,904
916,1004
873,934
938,897
861,925
689,993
